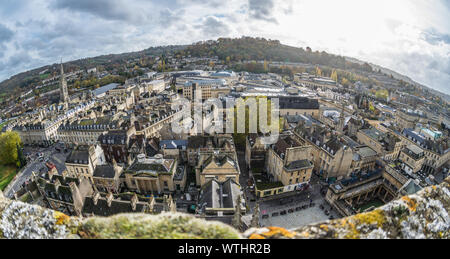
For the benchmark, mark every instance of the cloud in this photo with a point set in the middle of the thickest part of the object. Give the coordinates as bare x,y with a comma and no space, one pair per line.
213,26
119,10
261,10
5,34
434,37
411,40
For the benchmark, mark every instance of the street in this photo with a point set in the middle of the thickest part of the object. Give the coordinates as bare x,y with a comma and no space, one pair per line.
34,165
293,210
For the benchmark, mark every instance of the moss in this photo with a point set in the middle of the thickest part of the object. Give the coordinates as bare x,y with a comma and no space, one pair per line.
164,226
61,218
412,204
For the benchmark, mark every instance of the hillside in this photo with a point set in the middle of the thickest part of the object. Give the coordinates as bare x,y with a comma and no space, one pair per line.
247,48
233,52
23,81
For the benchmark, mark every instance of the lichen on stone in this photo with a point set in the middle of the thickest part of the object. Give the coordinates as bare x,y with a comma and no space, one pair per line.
163,226
24,221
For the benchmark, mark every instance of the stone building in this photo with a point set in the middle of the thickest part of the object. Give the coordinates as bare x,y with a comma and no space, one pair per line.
62,192
106,178
216,166
83,160
299,106
387,145
218,198
207,145
288,162
412,158
151,175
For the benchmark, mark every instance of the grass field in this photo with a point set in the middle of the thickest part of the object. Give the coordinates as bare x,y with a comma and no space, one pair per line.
2,125
7,174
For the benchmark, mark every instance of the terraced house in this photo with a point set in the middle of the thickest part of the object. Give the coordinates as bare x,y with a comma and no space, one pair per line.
87,131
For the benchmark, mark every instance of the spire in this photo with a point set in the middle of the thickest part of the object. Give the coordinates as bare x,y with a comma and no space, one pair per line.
64,94
62,68
255,217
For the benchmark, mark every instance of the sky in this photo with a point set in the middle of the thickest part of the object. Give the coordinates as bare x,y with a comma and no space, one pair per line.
411,37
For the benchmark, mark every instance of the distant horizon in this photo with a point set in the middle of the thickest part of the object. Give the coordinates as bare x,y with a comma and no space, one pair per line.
411,38
119,53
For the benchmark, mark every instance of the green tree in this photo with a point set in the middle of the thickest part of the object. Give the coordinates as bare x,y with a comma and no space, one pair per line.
9,144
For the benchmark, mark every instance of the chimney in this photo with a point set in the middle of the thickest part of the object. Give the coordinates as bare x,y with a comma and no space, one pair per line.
96,197
109,198
134,201
57,184
151,204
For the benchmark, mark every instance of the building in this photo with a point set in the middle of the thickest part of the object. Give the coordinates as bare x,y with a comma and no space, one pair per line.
151,175
288,162
87,131
387,145
106,178
83,160
218,198
62,192
412,158
216,166
299,106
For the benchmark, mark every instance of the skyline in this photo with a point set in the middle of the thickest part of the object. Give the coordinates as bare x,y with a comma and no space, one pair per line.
409,37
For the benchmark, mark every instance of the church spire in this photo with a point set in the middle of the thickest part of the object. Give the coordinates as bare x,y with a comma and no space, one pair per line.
64,94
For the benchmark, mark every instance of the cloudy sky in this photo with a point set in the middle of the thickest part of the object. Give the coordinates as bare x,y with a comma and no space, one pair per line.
411,37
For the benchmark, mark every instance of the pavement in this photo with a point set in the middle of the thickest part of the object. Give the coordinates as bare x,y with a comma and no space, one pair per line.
276,204
34,165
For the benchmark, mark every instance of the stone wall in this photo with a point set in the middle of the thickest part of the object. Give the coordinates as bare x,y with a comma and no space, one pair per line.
423,215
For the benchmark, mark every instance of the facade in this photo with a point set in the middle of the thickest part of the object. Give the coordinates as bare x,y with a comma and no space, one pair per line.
387,145
288,161
151,175
299,106
62,192
219,167
83,160
106,178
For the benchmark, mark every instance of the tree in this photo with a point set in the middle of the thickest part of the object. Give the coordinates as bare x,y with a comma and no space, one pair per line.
318,71
9,144
334,76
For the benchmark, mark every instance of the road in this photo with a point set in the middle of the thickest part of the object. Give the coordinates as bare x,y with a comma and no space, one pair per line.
34,165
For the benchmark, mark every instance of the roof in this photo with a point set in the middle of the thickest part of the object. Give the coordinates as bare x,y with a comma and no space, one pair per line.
217,194
299,164
104,171
151,166
366,152
172,144
79,155
104,89
117,207
301,103
220,161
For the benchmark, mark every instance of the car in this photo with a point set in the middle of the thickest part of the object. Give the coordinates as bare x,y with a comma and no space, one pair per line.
265,216
283,212
275,214
291,211
298,208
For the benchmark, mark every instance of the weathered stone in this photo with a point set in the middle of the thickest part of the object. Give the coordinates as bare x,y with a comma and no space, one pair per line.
423,215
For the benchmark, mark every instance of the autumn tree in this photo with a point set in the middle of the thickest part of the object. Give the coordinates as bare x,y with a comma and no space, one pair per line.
318,71
334,76
9,144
